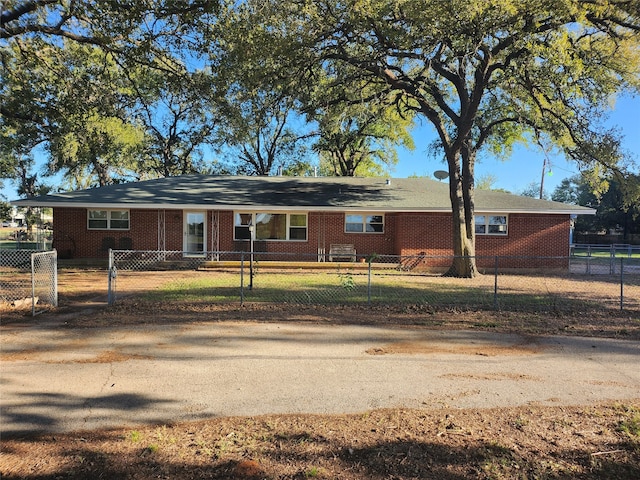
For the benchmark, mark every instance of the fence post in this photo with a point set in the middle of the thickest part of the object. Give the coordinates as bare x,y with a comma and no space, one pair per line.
495,284
55,277
242,278
112,275
33,285
369,284
621,283
612,260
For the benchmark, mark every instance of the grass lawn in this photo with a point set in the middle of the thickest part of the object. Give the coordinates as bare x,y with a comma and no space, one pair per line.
13,245
605,252
534,293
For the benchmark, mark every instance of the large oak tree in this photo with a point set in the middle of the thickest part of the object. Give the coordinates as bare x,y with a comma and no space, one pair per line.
484,73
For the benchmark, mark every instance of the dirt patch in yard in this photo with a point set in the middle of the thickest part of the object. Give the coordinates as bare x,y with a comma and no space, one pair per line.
595,442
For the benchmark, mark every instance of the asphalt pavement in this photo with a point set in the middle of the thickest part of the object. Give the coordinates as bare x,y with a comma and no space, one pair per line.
56,379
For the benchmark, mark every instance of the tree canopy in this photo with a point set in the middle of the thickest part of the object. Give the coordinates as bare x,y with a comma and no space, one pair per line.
616,200
485,74
139,89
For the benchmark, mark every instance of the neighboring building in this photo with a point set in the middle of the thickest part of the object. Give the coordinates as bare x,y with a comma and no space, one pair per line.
16,219
305,215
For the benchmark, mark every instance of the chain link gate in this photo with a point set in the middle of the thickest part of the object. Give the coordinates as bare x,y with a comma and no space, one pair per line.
29,277
44,279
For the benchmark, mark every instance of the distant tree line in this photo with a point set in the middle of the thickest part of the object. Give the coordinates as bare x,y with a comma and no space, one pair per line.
617,204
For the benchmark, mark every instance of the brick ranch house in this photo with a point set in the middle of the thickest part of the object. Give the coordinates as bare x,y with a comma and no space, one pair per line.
199,213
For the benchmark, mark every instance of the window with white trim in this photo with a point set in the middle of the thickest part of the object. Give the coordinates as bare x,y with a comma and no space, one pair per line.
364,223
271,226
108,219
491,224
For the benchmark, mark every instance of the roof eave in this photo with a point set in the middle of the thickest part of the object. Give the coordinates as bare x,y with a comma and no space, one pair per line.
148,206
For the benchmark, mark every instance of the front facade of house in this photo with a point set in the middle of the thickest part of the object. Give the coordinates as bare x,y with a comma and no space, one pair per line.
196,214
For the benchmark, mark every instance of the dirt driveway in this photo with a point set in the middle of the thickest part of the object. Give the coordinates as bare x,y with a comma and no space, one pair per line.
59,379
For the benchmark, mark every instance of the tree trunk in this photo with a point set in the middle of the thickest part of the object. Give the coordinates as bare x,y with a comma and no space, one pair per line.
464,261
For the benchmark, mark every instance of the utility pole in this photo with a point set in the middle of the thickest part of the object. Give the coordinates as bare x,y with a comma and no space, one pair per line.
544,168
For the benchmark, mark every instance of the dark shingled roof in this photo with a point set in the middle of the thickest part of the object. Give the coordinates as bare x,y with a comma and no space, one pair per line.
293,193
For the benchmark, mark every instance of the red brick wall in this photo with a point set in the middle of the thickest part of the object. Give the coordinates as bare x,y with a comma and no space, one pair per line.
531,235
534,235
72,238
330,229
405,234
425,234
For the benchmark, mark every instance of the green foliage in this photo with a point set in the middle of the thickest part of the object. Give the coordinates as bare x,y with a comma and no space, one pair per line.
152,448
360,139
177,114
77,82
533,191
616,198
484,74
486,182
5,210
346,280
115,93
259,130
67,98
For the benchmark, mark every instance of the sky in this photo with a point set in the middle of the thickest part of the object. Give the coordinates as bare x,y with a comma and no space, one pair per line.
515,174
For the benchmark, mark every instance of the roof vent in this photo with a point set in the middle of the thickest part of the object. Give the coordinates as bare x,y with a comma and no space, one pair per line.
388,181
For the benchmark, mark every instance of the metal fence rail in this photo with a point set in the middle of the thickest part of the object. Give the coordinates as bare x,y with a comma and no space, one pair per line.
541,284
612,250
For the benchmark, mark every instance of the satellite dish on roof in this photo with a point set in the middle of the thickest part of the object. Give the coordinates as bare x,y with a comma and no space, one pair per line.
440,174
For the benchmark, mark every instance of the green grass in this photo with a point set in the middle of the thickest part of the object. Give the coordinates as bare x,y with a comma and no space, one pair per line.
605,253
13,245
631,425
317,288
208,289
352,288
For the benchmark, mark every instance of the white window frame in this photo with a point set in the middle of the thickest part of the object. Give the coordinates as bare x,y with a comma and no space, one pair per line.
186,252
487,224
364,222
109,220
236,216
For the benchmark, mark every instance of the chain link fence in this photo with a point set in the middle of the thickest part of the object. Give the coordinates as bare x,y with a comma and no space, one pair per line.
604,259
28,278
540,284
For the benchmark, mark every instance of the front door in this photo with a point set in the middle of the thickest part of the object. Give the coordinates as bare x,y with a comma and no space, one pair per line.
195,240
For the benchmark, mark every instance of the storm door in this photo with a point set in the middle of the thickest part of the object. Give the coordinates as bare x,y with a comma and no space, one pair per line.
195,239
